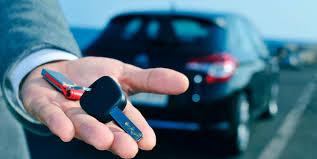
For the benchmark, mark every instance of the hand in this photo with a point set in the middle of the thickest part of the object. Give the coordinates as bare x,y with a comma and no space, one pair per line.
67,120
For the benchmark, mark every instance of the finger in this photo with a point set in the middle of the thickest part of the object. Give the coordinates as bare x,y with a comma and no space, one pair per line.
89,129
53,117
149,139
156,80
123,144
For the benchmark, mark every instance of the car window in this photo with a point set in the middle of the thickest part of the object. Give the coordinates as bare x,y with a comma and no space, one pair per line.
241,45
189,30
153,29
260,47
131,28
244,42
205,36
166,31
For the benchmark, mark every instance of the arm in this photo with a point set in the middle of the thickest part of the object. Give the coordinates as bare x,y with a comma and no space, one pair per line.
31,25
27,27
37,25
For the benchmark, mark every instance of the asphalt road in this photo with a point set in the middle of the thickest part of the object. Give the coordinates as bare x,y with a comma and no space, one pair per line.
270,139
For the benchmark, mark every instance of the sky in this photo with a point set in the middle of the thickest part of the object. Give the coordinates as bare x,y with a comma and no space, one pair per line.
281,19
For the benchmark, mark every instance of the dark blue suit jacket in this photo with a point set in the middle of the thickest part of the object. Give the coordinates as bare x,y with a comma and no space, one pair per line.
25,27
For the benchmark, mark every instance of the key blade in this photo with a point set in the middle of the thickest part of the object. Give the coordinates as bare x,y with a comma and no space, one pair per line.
75,87
105,102
124,122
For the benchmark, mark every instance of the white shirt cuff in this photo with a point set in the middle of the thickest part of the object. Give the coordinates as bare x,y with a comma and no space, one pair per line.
29,63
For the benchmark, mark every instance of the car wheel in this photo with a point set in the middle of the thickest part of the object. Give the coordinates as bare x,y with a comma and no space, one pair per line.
272,107
240,124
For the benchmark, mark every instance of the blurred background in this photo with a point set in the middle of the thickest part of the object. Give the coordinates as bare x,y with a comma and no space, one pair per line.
251,66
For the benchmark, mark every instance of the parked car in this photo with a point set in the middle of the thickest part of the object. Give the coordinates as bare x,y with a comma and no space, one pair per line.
289,58
292,54
232,77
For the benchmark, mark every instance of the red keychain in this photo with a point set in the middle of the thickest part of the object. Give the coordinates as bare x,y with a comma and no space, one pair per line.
64,85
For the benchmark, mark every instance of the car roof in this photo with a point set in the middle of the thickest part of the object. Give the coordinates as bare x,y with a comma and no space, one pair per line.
194,14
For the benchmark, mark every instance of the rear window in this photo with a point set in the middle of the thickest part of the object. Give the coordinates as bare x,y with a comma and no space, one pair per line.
187,30
173,31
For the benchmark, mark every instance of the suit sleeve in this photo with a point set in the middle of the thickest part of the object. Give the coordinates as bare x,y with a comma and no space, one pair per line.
27,26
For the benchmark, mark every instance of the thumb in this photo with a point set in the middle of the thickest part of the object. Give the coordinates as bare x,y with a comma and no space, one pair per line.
156,80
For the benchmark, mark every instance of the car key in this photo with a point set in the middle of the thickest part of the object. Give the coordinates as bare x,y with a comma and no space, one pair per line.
64,85
105,102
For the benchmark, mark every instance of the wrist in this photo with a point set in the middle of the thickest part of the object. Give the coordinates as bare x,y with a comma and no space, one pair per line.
18,75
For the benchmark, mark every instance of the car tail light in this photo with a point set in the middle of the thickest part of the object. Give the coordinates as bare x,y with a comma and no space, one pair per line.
217,68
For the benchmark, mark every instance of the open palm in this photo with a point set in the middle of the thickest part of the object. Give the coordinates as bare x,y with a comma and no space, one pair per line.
67,120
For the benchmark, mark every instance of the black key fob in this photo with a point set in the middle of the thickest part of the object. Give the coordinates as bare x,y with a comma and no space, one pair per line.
106,101
105,94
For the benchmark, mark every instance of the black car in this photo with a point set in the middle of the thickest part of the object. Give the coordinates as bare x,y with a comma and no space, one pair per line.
232,77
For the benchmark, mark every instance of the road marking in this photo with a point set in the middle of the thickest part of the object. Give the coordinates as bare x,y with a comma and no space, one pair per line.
274,149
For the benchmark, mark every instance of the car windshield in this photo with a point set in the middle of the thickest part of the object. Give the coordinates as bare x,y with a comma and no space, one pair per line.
169,31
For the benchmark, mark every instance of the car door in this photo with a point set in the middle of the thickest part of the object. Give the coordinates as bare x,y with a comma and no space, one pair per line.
271,64
253,64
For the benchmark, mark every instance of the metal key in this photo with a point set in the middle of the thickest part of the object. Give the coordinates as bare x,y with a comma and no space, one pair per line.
105,102
64,85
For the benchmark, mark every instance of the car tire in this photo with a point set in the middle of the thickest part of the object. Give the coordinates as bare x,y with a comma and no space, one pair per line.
272,107
240,124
